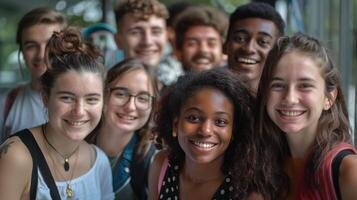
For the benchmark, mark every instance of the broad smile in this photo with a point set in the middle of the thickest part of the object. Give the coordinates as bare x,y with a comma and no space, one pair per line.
247,61
76,123
126,117
203,144
291,113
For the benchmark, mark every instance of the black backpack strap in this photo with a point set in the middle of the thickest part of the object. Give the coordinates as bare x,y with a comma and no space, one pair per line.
40,161
139,173
336,170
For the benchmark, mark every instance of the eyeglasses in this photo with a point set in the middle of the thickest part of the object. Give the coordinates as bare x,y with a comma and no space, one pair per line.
142,100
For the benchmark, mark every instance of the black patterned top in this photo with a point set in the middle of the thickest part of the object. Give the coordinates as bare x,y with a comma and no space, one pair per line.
170,185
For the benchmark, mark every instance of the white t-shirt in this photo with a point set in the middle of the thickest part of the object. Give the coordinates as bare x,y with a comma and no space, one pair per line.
96,184
27,111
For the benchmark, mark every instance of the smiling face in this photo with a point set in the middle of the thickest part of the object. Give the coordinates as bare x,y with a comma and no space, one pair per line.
297,94
75,104
142,39
204,126
33,41
127,118
201,48
247,47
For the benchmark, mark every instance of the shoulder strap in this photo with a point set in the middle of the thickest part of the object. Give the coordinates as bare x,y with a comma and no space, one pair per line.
30,142
10,99
336,169
139,170
34,175
162,174
9,102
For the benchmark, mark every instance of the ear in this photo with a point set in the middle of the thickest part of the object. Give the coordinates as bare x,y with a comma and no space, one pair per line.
118,42
174,127
330,102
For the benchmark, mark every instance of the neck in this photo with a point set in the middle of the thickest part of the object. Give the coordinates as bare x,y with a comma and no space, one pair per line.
300,143
253,87
35,84
112,141
200,173
63,145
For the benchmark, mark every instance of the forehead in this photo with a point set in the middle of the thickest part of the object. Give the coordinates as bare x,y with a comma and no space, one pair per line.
129,21
202,31
39,33
135,78
211,98
297,65
255,26
79,82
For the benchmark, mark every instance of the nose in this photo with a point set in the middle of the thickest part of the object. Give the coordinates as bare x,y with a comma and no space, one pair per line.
130,105
78,108
41,52
147,38
249,46
204,47
206,128
291,96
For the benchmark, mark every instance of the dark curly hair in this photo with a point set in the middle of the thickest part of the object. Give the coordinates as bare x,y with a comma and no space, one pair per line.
65,52
239,158
333,125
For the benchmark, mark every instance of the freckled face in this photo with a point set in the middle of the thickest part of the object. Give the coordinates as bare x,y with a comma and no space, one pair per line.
205,126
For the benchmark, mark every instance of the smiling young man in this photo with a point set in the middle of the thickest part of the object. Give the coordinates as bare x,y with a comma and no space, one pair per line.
200,33
22,106
253,30
141,28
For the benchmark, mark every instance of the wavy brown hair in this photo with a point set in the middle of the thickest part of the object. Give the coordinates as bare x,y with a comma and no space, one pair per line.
333,125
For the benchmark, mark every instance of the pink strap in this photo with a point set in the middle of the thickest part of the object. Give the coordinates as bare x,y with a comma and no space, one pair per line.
162,174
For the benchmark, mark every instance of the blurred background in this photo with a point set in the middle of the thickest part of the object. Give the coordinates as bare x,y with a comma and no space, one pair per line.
333,21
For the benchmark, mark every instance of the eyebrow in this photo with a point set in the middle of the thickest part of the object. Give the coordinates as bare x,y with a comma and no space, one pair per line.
242,30
200,111
300,79
72,94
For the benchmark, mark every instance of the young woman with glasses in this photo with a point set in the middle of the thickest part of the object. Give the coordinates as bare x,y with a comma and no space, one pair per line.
124,133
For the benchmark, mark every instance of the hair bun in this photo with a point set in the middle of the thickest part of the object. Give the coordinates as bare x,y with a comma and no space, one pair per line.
69,41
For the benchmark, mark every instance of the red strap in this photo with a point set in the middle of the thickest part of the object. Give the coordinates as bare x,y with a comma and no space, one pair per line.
10,99
162,174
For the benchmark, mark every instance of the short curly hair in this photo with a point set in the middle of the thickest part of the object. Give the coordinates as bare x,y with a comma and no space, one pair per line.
141,9
199,16
239,158
257,10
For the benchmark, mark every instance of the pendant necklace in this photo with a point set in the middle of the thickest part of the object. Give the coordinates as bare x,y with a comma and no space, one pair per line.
65,157
69,190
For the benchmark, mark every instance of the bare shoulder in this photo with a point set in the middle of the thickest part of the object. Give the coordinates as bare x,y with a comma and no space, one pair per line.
348,177
15,152
15,169
154,173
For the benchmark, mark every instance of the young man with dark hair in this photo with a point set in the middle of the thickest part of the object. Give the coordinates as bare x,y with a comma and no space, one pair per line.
253,30
200,32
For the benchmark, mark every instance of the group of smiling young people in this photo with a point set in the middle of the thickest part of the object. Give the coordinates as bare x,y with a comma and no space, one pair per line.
271,125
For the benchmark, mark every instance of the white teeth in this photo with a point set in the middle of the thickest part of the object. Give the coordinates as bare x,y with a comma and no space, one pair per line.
247,61
203,144
202,61
76,123
127,117
291,113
